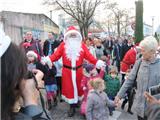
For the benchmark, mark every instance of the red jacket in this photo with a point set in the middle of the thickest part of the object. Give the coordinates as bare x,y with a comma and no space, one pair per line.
128,60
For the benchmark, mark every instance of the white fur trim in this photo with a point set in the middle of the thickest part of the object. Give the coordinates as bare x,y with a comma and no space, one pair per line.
5,42
32,53
70,32
73,62
100,64
72,101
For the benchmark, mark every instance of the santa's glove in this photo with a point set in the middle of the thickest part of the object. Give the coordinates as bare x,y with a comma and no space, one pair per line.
100,64
46,60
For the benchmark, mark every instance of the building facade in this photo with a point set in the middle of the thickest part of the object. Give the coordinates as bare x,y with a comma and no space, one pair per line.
16,24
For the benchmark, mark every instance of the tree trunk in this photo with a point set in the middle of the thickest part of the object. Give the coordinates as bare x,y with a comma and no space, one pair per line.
118,27
139,21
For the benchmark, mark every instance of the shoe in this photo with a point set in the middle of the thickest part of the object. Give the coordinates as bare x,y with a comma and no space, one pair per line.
111,113
55,102
61,100
71,112
130,112
49,105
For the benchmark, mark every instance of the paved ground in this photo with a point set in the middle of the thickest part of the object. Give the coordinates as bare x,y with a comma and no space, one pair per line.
60,113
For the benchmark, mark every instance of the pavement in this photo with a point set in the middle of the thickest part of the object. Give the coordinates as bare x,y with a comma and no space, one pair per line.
60,113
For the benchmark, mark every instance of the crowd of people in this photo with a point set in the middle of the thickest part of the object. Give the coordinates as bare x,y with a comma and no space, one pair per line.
93,73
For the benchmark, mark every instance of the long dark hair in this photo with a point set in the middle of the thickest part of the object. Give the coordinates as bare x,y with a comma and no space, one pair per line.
13,67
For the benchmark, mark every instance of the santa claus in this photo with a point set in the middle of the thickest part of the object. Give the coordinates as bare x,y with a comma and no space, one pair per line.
73,52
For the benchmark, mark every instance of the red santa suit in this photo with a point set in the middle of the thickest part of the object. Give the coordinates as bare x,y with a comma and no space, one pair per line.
128,60
73,52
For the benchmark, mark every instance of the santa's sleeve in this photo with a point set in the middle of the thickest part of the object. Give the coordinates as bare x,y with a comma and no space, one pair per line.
58,53
88,56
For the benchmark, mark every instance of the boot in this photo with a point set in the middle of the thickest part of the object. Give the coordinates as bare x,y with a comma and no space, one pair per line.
129,111
49,105
55,102
71,111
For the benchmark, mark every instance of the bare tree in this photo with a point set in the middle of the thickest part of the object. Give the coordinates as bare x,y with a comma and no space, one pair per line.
121,16
81,10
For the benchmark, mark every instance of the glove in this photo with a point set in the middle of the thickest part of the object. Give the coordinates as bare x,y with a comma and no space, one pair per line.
84,88
46,60
100,64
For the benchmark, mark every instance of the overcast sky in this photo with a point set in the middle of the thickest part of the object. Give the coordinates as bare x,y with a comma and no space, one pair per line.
151,8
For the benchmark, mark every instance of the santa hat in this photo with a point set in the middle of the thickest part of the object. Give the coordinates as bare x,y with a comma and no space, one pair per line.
5,42
32,53
72,30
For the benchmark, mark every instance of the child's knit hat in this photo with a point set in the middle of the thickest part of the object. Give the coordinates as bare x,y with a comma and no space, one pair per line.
88,67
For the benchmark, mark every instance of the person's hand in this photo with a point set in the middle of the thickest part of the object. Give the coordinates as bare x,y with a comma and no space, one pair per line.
39,75
28,89
84,88
151,99
117,100
100,64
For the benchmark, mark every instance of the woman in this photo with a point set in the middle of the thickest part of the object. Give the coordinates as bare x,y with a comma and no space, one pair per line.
147,76
14,85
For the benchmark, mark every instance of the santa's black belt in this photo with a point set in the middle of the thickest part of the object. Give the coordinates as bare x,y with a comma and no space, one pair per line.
72,68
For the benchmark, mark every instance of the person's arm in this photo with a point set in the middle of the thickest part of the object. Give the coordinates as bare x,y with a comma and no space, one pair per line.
130,80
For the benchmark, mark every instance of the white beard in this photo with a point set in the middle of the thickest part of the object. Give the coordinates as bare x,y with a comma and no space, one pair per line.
73,48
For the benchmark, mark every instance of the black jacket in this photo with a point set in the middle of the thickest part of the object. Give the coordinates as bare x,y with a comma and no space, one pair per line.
46,46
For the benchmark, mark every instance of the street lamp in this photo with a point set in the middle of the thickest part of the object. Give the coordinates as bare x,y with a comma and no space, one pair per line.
153,25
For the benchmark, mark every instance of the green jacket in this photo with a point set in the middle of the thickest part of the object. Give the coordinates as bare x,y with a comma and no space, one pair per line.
112,85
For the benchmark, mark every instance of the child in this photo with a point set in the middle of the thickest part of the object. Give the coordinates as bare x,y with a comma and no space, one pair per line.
112,85
90,72
98,101
51,85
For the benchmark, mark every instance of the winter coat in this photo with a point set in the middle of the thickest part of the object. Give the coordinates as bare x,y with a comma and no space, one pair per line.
147,76
112,85
33,45
128,60
97,106
50,76
54,45
99,51
125,48
85,80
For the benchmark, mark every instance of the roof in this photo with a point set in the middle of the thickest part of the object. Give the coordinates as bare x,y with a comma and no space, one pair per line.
30,14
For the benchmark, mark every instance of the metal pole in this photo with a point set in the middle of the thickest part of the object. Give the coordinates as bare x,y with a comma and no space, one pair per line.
50,14
153,25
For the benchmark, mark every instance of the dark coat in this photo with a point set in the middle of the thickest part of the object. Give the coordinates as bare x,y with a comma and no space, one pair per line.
34,45
50,75
54,45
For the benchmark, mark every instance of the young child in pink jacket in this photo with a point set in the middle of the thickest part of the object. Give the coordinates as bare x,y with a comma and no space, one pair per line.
89,73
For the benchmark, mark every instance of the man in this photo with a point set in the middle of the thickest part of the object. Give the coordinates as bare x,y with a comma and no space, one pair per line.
30,44
50,44
73,51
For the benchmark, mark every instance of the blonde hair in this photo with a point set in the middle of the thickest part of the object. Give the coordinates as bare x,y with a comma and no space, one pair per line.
113,69
95,83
